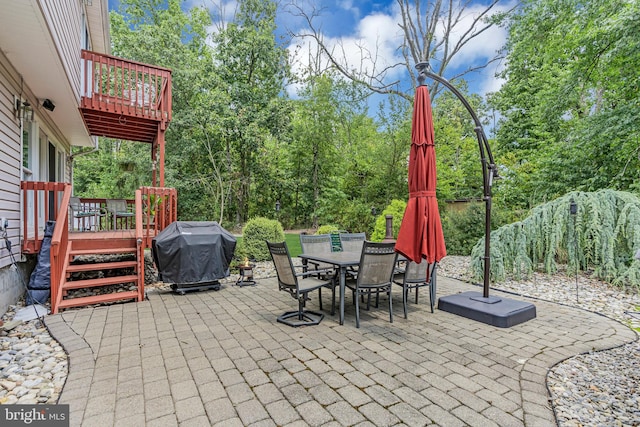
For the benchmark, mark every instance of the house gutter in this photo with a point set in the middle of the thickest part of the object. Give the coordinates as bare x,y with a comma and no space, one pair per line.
81,153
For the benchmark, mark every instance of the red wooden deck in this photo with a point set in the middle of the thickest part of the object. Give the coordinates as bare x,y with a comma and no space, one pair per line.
120,99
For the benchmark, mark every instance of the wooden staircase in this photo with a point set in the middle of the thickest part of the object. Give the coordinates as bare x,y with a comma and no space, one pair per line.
71,248
103,274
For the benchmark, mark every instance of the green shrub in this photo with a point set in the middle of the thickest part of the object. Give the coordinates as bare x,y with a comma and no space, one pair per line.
395,208
357,218
602,237
328,229
254,236
462,229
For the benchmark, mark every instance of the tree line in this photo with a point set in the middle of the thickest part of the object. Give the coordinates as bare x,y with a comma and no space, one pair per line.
238,143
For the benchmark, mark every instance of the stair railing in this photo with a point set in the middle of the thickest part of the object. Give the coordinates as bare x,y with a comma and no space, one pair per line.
159,209
139,245
59,254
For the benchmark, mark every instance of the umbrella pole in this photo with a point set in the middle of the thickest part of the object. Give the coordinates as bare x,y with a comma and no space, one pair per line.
496,311
489,170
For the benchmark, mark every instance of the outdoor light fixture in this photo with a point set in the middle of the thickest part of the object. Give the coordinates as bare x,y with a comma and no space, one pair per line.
22,110
501,312
48,104
277,205
573,210
573,207
374,211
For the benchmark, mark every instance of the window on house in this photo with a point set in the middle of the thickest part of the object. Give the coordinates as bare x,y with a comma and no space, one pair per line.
27,151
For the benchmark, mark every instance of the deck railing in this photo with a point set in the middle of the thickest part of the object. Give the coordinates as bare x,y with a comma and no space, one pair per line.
159,209
41,202
45,201
126,87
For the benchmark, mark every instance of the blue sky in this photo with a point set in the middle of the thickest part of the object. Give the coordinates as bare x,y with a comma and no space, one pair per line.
351,24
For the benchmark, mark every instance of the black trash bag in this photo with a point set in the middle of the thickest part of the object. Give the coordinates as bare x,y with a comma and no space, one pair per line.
39,286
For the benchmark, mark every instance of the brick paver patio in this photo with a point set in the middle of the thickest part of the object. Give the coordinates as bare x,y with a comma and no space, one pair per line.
220,358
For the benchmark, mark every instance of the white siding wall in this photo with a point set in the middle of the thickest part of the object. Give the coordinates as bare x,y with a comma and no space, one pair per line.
64,18
65,26
11,281
10,158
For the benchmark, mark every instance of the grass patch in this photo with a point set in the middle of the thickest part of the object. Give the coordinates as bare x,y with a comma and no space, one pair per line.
293,243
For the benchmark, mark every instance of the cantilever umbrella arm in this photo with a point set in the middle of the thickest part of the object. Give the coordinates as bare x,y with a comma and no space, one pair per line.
489,170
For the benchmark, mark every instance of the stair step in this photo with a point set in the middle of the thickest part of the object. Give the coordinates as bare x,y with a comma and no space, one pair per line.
101,266
96,299
77,252
104,281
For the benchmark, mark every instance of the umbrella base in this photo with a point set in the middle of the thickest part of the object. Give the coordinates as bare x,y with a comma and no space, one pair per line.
495,311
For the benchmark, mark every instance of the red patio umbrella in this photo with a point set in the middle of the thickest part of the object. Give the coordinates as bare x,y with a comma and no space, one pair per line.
420,236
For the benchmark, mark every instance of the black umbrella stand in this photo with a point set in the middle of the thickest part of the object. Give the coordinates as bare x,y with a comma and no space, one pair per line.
496,311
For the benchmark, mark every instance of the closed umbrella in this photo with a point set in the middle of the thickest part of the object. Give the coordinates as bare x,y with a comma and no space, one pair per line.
420,236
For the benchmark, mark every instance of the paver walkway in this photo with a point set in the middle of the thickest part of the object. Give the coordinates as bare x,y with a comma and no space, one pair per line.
220,358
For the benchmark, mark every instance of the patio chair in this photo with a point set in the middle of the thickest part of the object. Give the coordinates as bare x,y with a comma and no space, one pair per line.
352,242
375,274
317,244
84,216
118,208
298,285
416,276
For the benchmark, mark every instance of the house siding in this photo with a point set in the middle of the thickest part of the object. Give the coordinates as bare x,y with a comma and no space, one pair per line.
64,19
11,280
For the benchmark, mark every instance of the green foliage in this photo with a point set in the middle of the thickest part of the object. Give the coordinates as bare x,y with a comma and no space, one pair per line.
395,208
463,228
570,99
328,229
457,158
252,68
603,236
356,217
254,236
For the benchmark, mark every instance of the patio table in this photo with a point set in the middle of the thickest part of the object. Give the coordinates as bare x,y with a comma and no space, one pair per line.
342,260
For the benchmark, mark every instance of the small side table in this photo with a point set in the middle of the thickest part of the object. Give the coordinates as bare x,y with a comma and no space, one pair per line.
246,275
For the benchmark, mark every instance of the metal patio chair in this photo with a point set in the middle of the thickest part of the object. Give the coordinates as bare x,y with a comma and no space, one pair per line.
298,285
416,276
84,216
352,242
375,274
317,244
118,208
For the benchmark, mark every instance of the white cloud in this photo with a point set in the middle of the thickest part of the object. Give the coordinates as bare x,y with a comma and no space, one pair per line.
349,7
374,45
481,47
371,48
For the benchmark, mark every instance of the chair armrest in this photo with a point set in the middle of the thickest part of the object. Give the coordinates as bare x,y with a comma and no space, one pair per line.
314,272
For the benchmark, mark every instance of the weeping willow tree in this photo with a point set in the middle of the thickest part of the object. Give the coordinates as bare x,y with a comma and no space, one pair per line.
602,236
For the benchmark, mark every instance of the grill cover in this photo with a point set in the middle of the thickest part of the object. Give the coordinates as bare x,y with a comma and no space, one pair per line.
190,252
